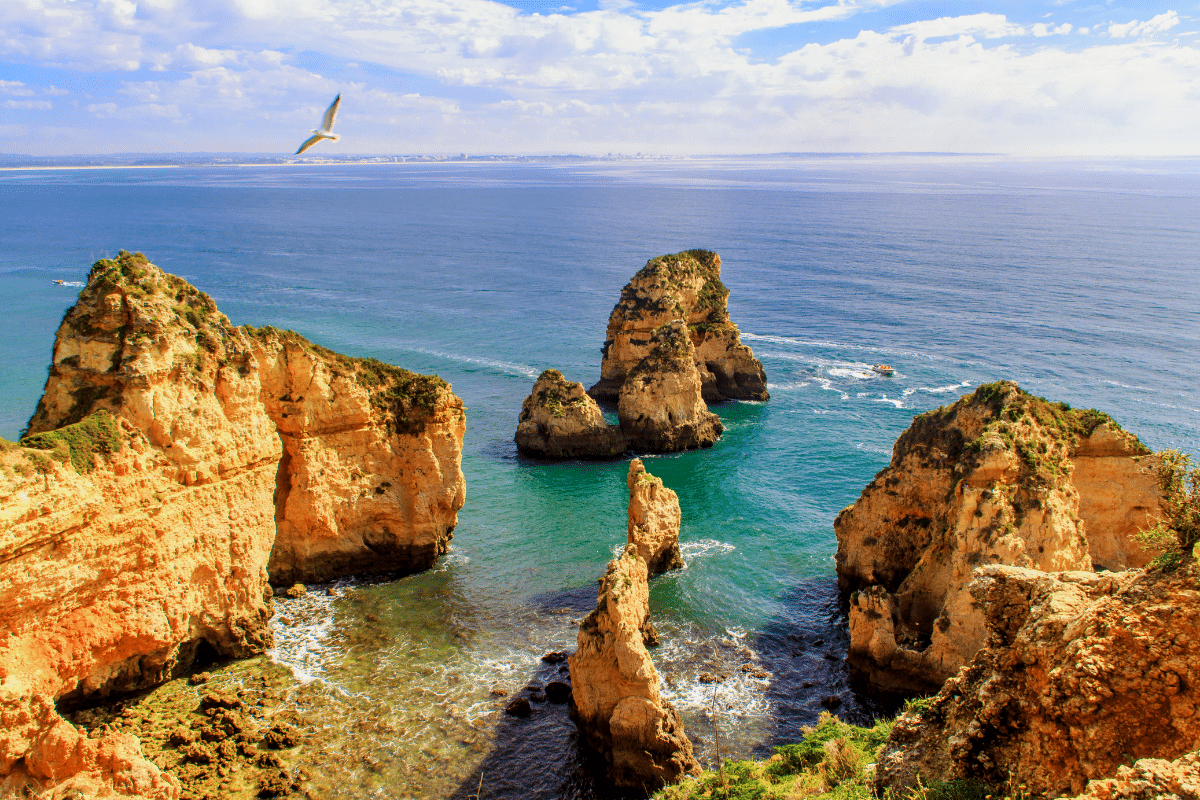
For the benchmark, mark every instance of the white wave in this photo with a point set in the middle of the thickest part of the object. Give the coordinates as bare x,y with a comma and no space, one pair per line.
1120,385
943,389
850,372
75,284
703,548
520,370
885,399
301,627
784,387
870,448
788,340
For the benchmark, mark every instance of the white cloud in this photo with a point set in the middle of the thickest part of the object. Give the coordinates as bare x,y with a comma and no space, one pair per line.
29,105
1163,22
15,89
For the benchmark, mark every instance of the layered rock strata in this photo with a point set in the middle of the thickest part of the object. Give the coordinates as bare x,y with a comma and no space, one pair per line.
137,525
661,409
999,477
559,420
1081,673
685,286
654,517
615,698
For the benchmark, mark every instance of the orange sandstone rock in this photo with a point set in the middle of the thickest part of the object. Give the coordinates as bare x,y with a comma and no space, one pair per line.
685,286
615,699
661,409
999,477
559,420
1081,672
139,524
654,517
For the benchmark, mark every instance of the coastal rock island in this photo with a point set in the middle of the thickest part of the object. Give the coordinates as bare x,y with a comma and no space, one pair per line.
615,697
999,477
559,420
654,517
139,515
683,286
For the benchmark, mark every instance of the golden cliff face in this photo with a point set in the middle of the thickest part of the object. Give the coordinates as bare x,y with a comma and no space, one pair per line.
615,699
661,408
370,477
1081,674
1000,477
685,286
654,517
140,522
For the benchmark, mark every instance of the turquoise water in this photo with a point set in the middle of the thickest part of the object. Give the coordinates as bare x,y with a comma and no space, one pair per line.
1079,280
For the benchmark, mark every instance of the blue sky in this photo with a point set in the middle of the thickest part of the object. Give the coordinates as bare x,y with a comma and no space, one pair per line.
1058,77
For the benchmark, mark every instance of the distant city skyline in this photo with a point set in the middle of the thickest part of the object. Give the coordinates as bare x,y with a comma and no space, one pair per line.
533,77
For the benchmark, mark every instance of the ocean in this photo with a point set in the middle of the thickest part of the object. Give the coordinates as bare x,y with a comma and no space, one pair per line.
1078,279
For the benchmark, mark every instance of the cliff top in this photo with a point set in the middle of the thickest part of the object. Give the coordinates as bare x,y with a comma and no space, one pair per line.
659,288
1002,415
134,309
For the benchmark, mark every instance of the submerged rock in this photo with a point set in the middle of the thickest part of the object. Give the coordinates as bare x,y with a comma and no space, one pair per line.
1081,673
559,420
685,286
615,696
654,516
999,477
660,408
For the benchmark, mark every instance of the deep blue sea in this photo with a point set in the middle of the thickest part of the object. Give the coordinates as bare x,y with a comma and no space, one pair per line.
1080,280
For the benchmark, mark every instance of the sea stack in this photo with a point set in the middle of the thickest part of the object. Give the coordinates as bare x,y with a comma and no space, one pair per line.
615,699
685,286
661,408
559,420
1081,675
138,517
998,478
654,517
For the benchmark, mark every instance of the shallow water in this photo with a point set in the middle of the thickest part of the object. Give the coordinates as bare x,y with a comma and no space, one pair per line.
1079,280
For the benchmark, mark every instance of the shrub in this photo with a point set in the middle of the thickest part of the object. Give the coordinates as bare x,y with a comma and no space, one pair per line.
97,434
1176,535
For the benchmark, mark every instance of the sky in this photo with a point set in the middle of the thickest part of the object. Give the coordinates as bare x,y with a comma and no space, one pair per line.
1029,77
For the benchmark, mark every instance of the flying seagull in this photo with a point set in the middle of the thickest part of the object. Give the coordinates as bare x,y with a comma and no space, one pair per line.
326,129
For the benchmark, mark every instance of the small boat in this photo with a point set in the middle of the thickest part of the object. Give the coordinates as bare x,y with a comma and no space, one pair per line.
60,282
883,369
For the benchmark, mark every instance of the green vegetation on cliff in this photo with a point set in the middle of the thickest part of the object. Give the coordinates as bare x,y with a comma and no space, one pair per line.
1178,533
97,434
834,761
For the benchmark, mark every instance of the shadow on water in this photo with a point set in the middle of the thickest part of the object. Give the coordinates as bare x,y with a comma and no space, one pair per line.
804,649
538,756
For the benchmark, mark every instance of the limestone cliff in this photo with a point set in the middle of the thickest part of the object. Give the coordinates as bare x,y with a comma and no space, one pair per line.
661,409
999,477
654,517
559,420
685,286
1081,673
1150,779
615,698
370,477
137,523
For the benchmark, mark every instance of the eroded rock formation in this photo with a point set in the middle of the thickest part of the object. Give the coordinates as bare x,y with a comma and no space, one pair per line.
615,699
1081,673
137,525
559,420
999,477
654,517
1150,779
685,286
661,409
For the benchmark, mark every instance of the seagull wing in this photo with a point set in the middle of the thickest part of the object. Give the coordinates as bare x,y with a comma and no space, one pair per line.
331,114
309,142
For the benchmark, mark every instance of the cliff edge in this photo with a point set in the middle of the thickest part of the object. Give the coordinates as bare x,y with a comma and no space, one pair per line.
999,477
139,515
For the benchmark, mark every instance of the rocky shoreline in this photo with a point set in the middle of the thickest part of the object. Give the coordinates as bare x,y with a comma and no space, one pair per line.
178,466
